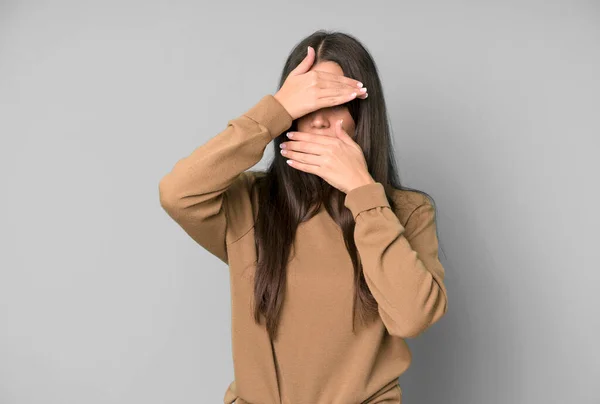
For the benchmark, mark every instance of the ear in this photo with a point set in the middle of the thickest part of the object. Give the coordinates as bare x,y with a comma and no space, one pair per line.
341,133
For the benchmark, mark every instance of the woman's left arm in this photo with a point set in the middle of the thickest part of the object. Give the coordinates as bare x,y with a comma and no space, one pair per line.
400,264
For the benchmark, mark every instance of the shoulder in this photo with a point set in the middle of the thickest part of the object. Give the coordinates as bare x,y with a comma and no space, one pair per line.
407,202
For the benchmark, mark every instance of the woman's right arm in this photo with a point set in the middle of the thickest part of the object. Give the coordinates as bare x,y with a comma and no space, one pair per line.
192,192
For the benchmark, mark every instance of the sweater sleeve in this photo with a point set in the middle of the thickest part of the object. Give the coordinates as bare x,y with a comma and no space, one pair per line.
192,193
400,264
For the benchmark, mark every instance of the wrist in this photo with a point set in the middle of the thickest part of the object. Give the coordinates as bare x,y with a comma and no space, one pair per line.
364,181
283,103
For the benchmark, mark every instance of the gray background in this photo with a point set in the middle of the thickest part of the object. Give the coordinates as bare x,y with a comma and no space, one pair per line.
494,108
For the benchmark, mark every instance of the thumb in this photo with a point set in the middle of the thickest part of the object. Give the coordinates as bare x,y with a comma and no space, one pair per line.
306,63
341,133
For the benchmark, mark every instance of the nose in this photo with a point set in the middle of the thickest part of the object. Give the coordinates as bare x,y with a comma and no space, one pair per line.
320,120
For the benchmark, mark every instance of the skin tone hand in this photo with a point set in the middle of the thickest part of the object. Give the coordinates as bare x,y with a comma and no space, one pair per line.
307,89
338,160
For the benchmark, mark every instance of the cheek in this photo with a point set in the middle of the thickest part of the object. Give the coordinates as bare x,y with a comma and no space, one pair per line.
302,125
350,126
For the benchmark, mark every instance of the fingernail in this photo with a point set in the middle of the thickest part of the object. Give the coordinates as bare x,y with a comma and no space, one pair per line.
359,84
289,134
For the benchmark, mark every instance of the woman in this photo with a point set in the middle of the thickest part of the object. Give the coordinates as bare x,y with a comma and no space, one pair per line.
333,264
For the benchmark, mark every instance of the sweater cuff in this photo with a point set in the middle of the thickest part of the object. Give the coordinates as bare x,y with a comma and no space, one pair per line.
366,197
271,114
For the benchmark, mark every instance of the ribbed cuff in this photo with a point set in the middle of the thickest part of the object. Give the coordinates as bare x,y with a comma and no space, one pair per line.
270,113
366,197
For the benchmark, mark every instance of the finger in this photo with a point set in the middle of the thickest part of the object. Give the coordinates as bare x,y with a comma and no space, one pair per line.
332,100
306,63
306,158
341,133
335,82
327,76
338,128
340,91
309,168
310,137
333,87
305,147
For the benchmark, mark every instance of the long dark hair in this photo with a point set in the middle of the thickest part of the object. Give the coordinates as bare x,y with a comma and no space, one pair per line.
290,196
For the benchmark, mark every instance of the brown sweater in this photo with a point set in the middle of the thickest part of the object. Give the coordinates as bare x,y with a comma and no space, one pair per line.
316,359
